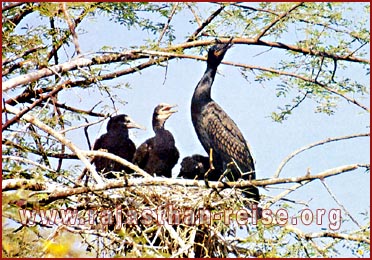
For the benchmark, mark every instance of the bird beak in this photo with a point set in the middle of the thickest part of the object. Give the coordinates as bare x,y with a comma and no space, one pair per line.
169,109
224,47
133,124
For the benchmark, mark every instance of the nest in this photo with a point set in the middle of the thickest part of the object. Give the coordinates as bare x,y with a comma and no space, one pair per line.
164,221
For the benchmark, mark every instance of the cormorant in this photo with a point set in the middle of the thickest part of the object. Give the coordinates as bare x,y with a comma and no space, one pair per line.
116,141
158,155
195,166
217,131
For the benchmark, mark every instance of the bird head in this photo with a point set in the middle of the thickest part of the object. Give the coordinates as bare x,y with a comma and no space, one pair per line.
122,122
162,112
217,52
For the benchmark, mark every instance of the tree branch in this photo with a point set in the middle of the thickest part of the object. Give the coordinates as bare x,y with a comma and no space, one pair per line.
62,193
71,26
307,147
301,234
276,20
168,22
60,138
131,55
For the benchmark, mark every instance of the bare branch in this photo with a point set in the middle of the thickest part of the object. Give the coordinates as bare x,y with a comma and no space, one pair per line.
307,147
61,193
15,184
301,234
130,55
117,159
284,193
339,203
21,55
71,26
276,20
60,138
205,23
10,6
16,158
8,123
168,22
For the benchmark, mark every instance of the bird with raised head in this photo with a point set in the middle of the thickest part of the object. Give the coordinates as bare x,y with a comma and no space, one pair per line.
217,131
158,155
116,141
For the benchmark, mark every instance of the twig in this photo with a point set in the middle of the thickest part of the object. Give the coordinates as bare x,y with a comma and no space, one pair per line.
8,123
205,23
60,138
272,24
117,159
168,22
307,147
28,149
22,54
82,125
71,26
10,6
197,19
339,203
301,234
283,194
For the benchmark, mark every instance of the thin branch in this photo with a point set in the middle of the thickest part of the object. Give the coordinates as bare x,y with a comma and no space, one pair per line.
82,125
284,193
340,204
16,158
289,74
307,147
205,23
10,6
168,22
64,192
65,37
272,24
60,138
22,54
117,159
30,150
72,27
8,123
197,18
301,234
130,55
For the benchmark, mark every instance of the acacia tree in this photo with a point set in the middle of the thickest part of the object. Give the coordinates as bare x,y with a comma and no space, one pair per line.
43,63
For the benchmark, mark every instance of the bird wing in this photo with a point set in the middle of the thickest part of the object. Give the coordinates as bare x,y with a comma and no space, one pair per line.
99,142
142,154
226,137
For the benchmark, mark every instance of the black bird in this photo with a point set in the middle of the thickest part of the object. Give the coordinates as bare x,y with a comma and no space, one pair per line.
195,166
116,141
158,155
217,131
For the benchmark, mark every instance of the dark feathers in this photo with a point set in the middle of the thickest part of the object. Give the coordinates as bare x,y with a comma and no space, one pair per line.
217,131
158,155
115,141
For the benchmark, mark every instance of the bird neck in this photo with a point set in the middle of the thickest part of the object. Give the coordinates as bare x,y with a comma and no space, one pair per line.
158,125
122,133
202,93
